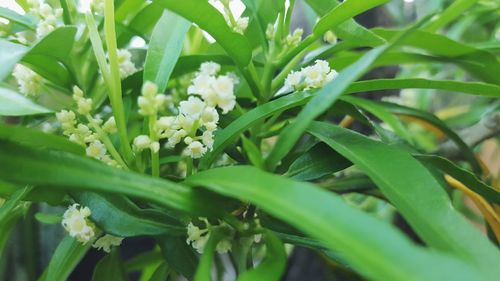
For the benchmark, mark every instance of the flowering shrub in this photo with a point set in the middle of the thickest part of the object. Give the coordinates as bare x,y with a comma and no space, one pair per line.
224,136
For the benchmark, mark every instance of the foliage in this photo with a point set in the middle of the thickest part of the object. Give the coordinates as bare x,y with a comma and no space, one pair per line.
227,135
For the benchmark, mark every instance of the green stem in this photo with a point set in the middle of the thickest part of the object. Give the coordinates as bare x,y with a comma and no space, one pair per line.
115,86
278,80
189,166
103,136
155,156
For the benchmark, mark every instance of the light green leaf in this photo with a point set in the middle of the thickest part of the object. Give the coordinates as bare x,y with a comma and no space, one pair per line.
361,239
15,104
17,18
164,48
10,54
65,258
416,194
204,271
209,19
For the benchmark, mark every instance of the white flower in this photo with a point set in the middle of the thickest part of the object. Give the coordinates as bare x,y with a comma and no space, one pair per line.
110,125
209,68
192,108
330,37
67,120
47,17
125,63
293,79
202,85
198,238
294,39
76,223
241,25
210,115
106,242
310,77
84,105
208,139
29,82
96,149
148,102
141,142
82,134
196,149
97,6
224,86
223,246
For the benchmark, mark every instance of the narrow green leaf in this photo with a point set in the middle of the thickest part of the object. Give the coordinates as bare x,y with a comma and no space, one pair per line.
13,202
48,218
65,258
204,271
109,268
116,214
164,48
423,203
10,55
17,18
209,19
253,153
60,170
464,176
273,265
35,138
179,255
317,162
360,238
455,10
15,104
161,273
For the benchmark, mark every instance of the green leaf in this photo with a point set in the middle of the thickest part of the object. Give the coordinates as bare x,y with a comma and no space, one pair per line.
48,218
423,203
65,258
209,19
50,57
321,101
61,170
464,176
187,64
17,18
253,153
273,265
35,138
360,238
179,255
474,88
349,30
317,162
15,104
116,214
10,55
455,10
430,118
342,12
110,268
161,273
13,202
204,270
164,48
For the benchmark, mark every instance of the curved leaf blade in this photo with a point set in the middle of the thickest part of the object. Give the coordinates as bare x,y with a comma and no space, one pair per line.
15,104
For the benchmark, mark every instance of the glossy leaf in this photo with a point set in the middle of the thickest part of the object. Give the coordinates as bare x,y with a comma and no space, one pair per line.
179,255
17,18
317,162
423,203
15,104
360,238
273,265
204,270
464,176
116,215
110,268
10,55
65,258
164,48
161,273
209,19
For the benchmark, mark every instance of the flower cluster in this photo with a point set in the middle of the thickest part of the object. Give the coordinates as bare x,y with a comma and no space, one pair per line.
77,224
237,25
198,237
292,40
106,242
46,15
197,116
310,77
82,133
29,82
127,67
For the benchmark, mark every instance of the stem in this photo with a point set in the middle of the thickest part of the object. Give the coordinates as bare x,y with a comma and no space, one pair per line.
286,70
155,156
115,85
189,166
103,136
